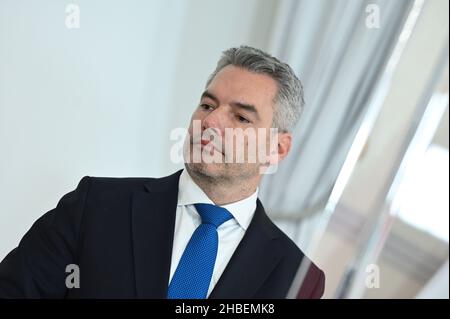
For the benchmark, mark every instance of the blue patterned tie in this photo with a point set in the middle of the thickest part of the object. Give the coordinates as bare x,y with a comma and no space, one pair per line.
193,274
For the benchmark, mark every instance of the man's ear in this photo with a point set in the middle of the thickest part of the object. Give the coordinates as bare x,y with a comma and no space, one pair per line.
281,150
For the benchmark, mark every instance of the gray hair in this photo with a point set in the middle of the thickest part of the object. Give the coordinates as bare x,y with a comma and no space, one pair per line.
289,100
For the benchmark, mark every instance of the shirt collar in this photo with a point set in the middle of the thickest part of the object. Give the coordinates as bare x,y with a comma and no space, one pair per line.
190,193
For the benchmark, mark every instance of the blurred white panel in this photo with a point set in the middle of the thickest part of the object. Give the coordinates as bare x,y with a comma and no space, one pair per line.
437,287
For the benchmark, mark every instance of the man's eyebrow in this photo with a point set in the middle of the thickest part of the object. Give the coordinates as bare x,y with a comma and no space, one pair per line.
245,106
210,96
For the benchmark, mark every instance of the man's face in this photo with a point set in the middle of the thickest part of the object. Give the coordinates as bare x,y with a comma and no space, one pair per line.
237,101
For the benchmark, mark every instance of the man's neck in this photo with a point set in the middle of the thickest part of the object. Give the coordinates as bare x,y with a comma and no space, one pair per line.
222,193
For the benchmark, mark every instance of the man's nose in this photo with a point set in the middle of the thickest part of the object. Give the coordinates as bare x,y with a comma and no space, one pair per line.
215,120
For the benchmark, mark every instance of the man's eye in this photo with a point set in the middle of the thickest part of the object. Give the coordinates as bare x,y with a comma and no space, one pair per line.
242,119
206,107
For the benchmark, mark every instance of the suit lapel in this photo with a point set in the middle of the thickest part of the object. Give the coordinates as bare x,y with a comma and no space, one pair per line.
254,259
153,222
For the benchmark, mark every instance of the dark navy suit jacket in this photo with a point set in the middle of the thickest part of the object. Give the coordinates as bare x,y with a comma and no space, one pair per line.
119,231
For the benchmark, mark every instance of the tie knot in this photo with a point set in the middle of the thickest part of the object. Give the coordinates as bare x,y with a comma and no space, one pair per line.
212,214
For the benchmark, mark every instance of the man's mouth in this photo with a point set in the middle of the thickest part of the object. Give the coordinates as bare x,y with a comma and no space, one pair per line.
203,143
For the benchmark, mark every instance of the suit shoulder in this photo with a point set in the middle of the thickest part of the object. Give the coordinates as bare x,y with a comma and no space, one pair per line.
131,183
114,182
291,249
287,242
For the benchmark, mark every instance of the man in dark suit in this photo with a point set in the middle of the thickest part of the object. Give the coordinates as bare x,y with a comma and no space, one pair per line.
199,233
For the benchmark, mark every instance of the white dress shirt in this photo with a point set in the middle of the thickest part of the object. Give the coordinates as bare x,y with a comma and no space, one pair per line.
187,220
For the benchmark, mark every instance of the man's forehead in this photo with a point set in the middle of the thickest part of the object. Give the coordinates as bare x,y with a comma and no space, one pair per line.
241,85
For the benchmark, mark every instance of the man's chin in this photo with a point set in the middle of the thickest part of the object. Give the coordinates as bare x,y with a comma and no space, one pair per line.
212,170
